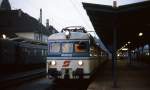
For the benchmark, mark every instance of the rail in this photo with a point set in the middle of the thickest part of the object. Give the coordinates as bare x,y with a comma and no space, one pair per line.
11,80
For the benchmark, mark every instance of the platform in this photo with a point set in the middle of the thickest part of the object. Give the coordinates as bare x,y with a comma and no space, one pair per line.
135,76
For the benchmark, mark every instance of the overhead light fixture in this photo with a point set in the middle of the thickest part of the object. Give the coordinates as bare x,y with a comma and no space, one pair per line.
124,49
148,54
129,42
133,51
140,34
4,36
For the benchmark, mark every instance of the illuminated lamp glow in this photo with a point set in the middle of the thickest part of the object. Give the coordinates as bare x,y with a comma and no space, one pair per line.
80,62
124,49
148,54
53,63
4,36
133,51
140,34
129,42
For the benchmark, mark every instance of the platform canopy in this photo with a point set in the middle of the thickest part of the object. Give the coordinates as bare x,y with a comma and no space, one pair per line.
129,20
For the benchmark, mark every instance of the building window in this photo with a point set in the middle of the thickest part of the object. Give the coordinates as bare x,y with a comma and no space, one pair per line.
36,36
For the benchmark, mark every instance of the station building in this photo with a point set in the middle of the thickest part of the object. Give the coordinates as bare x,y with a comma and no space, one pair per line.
16,24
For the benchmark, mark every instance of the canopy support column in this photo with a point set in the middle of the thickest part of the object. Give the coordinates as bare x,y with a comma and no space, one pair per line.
114,53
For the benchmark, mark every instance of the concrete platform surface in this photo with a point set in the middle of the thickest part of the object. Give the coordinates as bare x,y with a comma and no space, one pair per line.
135,76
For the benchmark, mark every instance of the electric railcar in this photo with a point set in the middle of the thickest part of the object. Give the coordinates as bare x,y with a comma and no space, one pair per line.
73,54
21,55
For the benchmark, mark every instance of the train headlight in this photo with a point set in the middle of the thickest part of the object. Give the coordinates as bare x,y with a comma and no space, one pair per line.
53,63
80,62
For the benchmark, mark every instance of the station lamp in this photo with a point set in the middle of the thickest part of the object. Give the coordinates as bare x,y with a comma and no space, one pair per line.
133,51
148,54
129,42
4,36
140,34
124,49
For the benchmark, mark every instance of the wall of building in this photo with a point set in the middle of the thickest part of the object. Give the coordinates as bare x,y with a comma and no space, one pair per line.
0,2
44,38
33,36
28,35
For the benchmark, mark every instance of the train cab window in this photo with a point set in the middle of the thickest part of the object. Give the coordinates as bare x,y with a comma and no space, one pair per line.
67,47
54,47
81,47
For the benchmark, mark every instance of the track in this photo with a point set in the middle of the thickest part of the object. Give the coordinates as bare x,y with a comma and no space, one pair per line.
33,80
82,84
18,78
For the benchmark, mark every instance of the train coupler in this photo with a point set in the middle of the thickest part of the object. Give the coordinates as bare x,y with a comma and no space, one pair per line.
78,73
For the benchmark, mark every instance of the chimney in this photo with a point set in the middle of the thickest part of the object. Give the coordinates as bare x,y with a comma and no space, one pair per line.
47,23
115,4
5,5
40,16
19,12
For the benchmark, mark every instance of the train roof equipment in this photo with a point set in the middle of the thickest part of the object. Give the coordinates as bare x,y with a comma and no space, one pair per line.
71,32
74,29
73,35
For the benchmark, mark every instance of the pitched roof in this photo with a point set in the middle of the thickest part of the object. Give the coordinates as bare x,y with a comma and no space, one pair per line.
18,21
5,5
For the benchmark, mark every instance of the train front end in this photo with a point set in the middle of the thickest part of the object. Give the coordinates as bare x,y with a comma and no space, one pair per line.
68,56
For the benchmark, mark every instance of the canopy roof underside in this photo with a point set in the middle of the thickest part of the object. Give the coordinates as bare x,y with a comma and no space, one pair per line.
128,20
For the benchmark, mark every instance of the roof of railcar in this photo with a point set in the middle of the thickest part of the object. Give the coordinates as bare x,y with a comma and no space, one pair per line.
73,35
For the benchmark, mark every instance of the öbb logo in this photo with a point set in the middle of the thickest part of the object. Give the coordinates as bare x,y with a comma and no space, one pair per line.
66,63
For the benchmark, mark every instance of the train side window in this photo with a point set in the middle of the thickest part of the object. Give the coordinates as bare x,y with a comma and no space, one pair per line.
38,51
46,52
35,51
29,51
42,52
25,50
